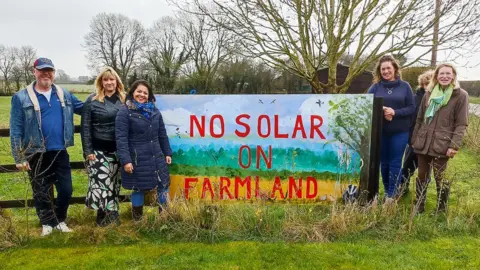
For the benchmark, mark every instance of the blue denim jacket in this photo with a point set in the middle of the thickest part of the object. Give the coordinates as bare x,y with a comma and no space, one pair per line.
25,131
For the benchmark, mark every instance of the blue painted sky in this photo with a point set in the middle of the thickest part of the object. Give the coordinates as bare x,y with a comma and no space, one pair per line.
176,111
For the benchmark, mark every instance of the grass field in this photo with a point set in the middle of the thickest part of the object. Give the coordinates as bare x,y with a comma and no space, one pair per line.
256,235
441,253
79,88
474,100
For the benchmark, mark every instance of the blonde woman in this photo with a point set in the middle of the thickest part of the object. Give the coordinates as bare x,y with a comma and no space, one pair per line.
99,146
441,124
410,161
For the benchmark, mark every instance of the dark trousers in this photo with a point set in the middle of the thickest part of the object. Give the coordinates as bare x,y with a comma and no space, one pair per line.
410,165
393,147
48,169
439,165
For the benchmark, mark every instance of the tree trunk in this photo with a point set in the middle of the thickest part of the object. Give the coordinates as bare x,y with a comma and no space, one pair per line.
436,27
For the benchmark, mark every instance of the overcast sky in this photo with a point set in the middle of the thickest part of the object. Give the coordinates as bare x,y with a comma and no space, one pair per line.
55,28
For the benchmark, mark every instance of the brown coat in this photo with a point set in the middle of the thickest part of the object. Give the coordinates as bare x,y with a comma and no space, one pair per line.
446,129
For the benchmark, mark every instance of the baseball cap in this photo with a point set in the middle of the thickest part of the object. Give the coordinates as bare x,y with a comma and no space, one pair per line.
42,63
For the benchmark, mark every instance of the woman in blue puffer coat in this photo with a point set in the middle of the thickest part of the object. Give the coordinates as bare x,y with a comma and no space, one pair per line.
143,147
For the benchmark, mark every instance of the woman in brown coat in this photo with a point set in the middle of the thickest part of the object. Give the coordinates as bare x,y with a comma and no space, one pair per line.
441,123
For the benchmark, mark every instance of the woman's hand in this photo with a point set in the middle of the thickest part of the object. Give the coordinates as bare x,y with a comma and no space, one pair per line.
451,152
91,157
169,160
128,168
388,113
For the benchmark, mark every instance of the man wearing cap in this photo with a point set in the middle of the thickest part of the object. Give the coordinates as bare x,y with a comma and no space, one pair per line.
41,128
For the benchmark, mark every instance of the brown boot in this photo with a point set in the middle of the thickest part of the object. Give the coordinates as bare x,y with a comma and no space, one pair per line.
421,196
137,212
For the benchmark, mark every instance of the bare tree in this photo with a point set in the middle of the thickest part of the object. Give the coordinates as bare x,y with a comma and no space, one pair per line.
26,56
456,30
167,52
210,46
7,62
436,27
302,36
114,40
17,75
62,77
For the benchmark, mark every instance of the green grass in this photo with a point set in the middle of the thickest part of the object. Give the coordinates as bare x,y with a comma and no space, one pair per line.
474,100
78,88
258,235
441,253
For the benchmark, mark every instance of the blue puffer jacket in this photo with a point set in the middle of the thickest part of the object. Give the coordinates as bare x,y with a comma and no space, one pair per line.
144,143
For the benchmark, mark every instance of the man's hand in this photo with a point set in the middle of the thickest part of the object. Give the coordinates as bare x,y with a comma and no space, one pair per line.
128,167
91,157
169,160
23,166
451,152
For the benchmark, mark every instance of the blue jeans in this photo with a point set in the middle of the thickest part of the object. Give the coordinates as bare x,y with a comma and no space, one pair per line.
138,197
393,147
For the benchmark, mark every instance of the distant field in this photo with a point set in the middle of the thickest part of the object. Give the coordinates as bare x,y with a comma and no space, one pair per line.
5,109
474,100
78,88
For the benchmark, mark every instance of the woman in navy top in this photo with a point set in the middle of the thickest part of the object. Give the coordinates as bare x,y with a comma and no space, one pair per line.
398,109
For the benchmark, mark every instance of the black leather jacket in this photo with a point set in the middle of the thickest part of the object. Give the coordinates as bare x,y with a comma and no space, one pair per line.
98,122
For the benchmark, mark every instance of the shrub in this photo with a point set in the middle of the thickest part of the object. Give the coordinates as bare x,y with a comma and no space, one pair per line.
411,74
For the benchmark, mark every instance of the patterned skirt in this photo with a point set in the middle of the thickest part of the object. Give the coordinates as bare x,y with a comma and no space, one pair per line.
103,181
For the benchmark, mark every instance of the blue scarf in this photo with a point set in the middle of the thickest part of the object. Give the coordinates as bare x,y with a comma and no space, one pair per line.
146,109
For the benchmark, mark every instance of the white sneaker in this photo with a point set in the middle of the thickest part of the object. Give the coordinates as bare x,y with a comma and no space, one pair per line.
46,230
62,226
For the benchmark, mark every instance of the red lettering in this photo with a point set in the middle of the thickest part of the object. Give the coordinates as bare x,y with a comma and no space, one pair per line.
212,126
311,181
257,187
316,127
245,125
268,161
207,186
240,154
225,188
239,183
299,127
277,186
200,127
259,126
277,131
187,185
293,188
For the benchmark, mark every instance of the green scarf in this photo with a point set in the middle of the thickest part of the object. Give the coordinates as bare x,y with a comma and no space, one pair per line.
438,99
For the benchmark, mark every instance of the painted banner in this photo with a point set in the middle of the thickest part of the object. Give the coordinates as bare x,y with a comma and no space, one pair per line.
272,147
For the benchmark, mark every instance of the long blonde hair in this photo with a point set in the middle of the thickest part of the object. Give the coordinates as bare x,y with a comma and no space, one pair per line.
434,80
377,74
100,92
